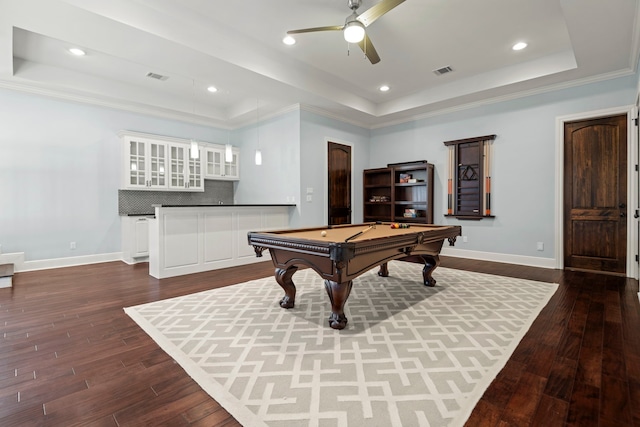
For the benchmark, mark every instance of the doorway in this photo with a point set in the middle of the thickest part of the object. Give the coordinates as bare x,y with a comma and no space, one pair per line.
339,183
595,204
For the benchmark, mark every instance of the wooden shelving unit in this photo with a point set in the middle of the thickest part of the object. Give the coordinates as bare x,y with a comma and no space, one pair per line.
377,194
399,189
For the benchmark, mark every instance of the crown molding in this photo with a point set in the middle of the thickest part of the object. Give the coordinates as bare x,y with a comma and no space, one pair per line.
205,121
113,104
509,97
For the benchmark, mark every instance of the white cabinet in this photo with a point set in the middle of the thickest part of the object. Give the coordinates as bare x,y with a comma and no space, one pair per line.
193,239
185,173
145,163
217,168
135,238
152,162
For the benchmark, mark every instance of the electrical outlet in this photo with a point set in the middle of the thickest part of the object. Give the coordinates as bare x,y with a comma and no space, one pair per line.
464,239
309,197
540,246
72,245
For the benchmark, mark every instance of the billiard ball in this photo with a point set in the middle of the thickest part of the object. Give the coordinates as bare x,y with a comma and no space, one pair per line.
323,233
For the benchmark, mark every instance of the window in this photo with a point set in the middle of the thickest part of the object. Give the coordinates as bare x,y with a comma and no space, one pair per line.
469,180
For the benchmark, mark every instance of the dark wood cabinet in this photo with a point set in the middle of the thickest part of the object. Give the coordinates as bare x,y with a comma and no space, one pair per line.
401,192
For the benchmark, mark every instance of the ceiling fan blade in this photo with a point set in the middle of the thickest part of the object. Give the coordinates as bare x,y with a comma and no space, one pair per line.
370,15
311,30
369,50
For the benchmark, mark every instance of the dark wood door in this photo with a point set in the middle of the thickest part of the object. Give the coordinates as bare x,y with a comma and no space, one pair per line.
339,196
595,194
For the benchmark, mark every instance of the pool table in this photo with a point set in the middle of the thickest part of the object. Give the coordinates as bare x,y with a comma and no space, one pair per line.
341,253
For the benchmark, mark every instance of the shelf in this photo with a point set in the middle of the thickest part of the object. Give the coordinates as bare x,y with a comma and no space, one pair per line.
409,184
418,219
470,217
402,195
370,218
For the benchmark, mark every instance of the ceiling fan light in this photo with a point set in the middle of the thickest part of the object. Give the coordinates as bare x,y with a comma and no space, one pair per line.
354,31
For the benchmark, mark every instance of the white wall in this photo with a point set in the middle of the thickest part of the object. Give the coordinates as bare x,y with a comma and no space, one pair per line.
60,172
315,131
277,180
60,166
523,179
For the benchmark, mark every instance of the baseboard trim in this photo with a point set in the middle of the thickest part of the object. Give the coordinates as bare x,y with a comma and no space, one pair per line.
498,257
20,265
46,264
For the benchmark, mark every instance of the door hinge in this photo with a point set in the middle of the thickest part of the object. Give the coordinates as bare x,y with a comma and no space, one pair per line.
636,168
635,121
637,259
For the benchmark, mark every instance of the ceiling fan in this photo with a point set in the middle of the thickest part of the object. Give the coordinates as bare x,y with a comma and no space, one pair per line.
355,24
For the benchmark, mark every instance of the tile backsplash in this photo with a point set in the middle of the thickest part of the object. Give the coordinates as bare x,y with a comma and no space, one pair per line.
132,202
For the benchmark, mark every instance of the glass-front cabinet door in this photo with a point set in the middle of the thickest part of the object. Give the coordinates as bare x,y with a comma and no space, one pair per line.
157,165
215,159
147,164
177,171
196,179
185,172
217,167
231,168
137,164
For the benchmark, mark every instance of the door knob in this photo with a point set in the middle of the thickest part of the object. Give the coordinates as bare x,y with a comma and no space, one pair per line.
623,214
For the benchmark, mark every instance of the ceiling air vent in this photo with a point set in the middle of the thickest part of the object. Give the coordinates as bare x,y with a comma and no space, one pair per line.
157,76
443,70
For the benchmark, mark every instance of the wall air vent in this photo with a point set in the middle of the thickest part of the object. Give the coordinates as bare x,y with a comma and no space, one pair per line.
157,76
443,70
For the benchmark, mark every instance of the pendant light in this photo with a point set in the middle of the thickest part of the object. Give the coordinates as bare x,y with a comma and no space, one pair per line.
228,153
258,157
194,151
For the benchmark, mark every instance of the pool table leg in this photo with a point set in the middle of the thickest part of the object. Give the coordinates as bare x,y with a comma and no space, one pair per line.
283,277
430,264
384,270
338,294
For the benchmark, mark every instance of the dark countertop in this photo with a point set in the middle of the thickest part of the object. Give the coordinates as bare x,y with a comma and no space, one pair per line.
151,214
224,206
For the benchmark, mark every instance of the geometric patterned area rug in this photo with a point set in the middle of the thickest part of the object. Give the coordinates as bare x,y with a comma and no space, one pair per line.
410,355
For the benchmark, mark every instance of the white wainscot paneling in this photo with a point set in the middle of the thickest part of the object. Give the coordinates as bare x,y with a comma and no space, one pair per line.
247,221
180,240
218,233
185,240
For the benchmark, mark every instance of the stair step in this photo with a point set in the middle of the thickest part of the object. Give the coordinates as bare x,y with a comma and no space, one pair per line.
6,270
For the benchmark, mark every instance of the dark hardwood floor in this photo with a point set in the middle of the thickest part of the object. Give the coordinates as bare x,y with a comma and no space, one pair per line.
69,355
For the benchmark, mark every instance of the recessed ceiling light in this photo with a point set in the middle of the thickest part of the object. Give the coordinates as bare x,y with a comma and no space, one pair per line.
288,40
384,88
519,46
212,89
77,52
